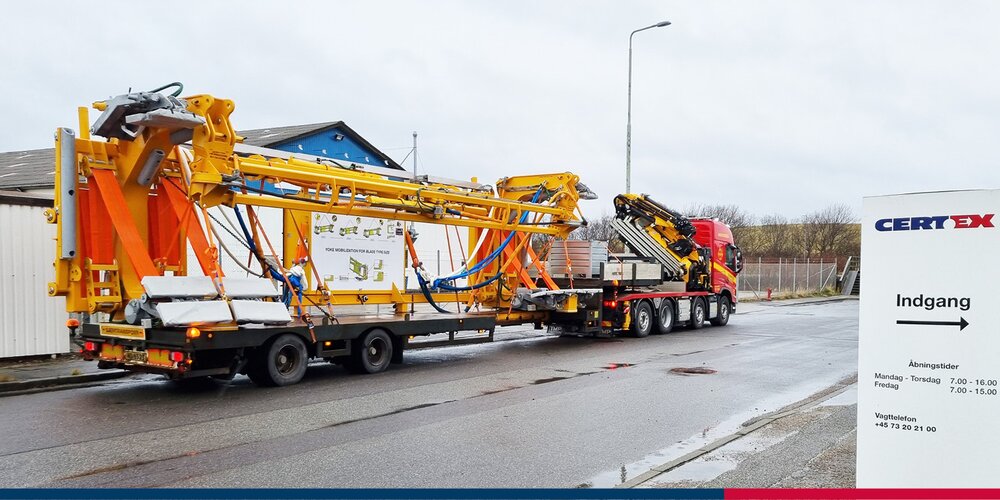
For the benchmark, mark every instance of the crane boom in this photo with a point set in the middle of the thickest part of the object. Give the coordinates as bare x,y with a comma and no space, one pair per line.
650,229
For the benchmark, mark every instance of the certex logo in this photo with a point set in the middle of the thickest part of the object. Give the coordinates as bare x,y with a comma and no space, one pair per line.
969,221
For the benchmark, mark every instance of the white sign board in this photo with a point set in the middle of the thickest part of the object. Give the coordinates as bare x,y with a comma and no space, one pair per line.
929,354
353,253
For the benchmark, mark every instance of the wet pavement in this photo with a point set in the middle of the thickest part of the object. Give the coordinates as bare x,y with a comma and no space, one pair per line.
529,410
810,446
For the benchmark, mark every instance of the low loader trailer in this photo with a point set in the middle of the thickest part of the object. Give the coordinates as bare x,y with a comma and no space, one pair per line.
131,201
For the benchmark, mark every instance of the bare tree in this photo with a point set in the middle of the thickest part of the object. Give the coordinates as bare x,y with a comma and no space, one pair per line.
732,215
830,232
827,230
741,222
775,237
600,229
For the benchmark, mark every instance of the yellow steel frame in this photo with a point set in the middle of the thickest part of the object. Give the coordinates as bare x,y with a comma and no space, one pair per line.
326,187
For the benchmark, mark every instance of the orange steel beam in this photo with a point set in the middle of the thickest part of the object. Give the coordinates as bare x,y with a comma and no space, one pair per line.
114,201
195,234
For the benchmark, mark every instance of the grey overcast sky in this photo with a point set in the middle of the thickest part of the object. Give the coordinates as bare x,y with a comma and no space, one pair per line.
778,106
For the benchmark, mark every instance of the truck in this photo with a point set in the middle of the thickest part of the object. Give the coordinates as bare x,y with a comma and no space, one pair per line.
680,270
134,191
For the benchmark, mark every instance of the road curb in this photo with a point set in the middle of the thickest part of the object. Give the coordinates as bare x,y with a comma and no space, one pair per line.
6,388
801,302
748,427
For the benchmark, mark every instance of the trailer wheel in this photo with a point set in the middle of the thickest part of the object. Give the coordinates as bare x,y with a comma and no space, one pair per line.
665,317
282,362
642,319
725,308
372,353
698,310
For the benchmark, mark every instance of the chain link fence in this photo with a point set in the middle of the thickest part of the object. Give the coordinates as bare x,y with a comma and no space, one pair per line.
785,276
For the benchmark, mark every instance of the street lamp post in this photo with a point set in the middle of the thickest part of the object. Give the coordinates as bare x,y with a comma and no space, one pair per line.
628,131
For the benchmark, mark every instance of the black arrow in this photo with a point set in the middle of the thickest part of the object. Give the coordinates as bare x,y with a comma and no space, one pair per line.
961,323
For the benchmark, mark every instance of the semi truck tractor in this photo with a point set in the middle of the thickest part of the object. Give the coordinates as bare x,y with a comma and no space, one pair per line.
678,271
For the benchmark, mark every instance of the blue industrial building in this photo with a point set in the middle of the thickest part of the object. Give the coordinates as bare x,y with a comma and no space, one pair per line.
331,140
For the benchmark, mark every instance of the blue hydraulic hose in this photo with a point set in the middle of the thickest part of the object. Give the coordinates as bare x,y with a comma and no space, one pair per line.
428,296
448,288
253,246
439,283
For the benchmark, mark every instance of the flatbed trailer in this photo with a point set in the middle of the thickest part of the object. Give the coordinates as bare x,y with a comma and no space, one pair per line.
363,343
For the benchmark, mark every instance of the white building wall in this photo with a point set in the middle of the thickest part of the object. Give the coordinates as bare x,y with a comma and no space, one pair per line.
31,322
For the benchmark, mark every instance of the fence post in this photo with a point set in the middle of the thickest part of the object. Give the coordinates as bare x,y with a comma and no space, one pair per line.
795,278
807,273
820,274
760,271
779,274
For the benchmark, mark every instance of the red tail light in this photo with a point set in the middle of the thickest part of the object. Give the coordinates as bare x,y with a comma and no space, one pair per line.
611,304
176,356
89,346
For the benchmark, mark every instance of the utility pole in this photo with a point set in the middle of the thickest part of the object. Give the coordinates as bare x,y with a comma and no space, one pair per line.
414,153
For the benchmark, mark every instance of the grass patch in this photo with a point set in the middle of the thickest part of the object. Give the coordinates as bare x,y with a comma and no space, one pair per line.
826,292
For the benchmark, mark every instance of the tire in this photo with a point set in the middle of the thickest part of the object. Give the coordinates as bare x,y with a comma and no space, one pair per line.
665,317
725,309
698,313
282,362
642,319
371,353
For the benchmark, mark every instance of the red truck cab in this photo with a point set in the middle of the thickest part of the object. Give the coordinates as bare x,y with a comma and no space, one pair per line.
727,259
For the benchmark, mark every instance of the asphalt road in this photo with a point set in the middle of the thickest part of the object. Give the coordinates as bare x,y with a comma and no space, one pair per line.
536,411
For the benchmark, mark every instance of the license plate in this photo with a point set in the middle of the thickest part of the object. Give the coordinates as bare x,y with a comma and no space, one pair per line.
136,356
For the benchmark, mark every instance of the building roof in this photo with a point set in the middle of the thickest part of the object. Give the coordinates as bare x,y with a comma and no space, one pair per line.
34,168
264,137
30,169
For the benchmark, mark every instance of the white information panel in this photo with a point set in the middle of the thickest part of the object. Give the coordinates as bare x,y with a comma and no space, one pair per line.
929,354
353,253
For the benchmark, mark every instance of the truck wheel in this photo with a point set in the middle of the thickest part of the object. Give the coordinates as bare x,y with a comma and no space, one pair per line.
698,310
642,319
665,317
372,353
725,308
282,362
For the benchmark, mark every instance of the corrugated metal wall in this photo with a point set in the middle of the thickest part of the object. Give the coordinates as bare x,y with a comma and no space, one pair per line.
31,322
